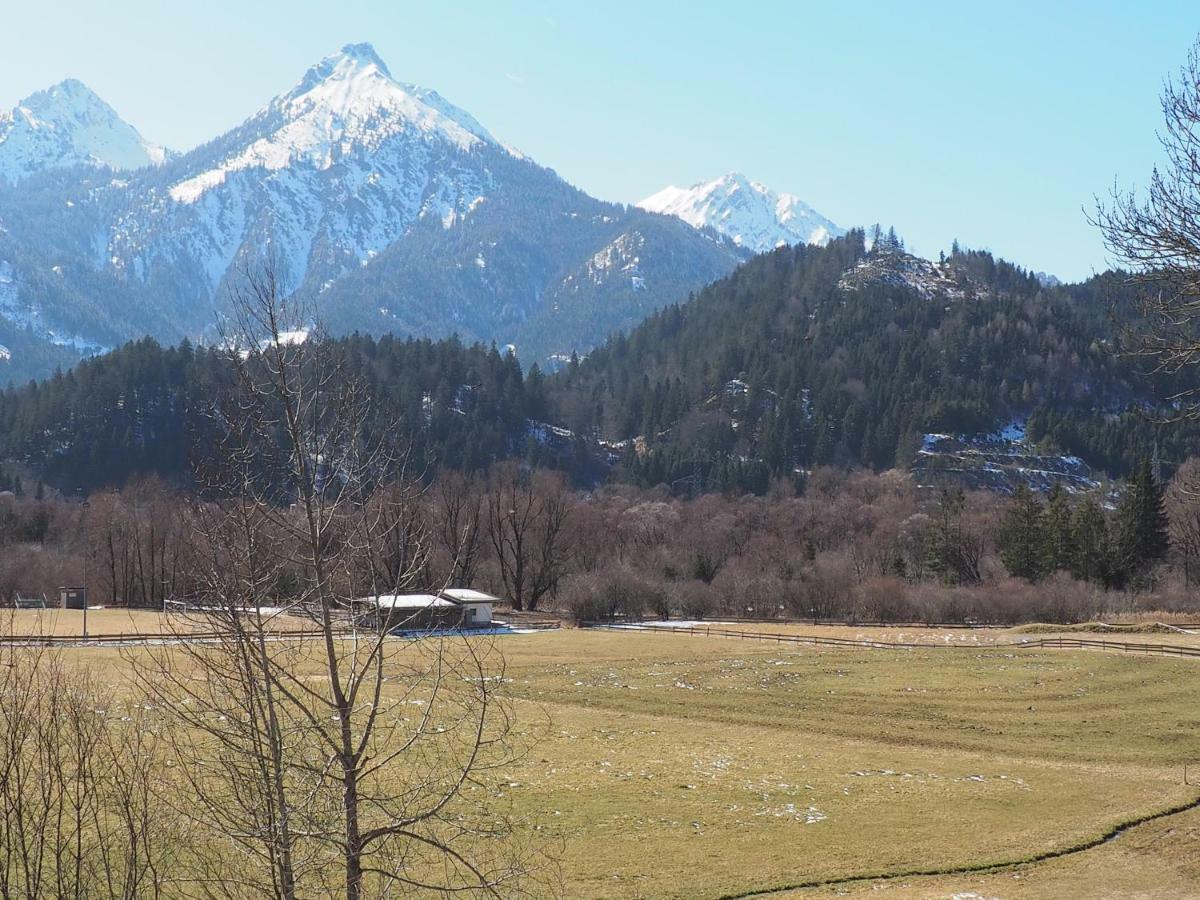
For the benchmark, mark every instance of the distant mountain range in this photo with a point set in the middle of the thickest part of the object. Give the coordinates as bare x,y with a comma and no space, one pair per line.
747,212
387,206
964,371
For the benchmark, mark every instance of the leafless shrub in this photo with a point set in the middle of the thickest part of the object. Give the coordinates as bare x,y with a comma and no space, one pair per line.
619,593
344,761
81,779
884,599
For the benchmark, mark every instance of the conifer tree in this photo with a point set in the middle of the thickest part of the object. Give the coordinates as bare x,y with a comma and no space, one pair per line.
1092,560
1060,538
1141,526
1023,536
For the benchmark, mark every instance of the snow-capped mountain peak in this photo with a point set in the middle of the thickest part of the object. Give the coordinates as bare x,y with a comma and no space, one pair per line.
350,57
69,125
355,84
346,103
747,212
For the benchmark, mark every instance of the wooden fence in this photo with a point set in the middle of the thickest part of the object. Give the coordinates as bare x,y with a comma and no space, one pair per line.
174,637
1064,643
1067,643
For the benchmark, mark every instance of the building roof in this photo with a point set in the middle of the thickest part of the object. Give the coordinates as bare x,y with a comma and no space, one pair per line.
467,595
407,601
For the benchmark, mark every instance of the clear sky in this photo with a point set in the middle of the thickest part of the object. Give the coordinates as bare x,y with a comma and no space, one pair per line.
994,123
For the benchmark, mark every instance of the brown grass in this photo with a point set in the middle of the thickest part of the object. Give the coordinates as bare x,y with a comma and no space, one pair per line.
69,622
678,766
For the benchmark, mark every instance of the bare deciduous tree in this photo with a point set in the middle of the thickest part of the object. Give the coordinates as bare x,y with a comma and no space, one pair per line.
527,518
135,543
79,772
1183,511
343,759
1158,236
458,514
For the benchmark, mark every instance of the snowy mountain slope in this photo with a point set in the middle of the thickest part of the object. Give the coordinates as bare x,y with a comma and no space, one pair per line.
68,125
385,205
327,175
347,104
537,264
747,212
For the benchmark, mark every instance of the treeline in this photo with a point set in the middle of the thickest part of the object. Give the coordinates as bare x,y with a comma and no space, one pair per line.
1039,539
854,546
150,410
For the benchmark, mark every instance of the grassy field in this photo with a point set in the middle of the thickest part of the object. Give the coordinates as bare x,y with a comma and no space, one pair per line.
967,637
69,622
677,766
1157,861
692,767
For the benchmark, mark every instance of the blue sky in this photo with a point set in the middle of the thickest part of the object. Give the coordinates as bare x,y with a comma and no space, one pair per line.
993,123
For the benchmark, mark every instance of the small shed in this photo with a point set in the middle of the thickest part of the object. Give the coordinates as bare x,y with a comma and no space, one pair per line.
476,605
72,598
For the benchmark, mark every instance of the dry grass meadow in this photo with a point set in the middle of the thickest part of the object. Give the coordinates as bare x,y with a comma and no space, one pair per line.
109,622
694,767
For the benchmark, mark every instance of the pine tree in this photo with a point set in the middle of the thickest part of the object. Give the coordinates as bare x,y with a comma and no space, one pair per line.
1141,526
1089,532
1060,537
1023,536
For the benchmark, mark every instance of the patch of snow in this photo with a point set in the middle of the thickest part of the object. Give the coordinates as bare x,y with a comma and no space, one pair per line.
620,257
293,338
895,268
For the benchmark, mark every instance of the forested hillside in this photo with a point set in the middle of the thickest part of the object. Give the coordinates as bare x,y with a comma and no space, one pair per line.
803,357
811,356
146,409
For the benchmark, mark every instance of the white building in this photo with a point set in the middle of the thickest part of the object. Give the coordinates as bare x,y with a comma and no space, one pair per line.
477,606
452,608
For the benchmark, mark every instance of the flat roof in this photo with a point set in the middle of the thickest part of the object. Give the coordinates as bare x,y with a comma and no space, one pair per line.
467,595
406,601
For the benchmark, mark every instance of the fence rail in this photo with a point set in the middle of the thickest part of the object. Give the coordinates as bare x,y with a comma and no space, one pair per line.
863,643
173,637
953,626
133,637
1065,643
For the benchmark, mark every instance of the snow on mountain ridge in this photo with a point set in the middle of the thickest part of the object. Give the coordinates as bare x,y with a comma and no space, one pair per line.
392,209
747,212
68,125
345,103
